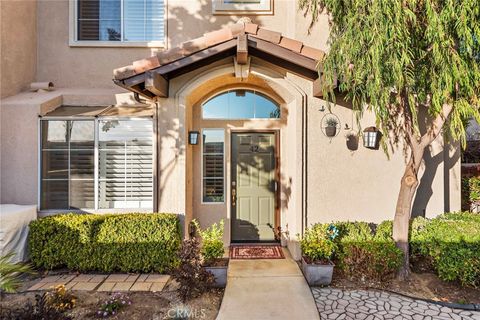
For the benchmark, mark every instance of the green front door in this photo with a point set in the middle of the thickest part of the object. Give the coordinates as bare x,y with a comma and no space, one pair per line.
253,186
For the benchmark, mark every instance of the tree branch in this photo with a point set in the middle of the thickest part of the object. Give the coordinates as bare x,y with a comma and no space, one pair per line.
437,125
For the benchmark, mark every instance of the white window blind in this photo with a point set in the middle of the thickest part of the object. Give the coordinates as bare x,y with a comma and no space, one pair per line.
121,20
213,165
124,166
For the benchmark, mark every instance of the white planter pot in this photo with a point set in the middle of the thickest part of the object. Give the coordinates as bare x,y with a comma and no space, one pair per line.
317,274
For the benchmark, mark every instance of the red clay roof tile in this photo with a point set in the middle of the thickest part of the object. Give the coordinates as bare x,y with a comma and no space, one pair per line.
165,57
219,36
145,64
213,38
268,35
312,53
291,44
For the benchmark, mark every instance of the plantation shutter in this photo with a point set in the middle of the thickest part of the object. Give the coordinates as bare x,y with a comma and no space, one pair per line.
125,164
213,165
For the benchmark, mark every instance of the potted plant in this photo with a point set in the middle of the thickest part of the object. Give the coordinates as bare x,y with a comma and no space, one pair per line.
331,128
318,247
212,252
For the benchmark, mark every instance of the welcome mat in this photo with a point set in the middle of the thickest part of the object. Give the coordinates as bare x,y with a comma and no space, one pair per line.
256,252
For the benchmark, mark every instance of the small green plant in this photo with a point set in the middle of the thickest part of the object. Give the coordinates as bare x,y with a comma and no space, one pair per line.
212,241
59,299
331,122
10,273
113,305
318,244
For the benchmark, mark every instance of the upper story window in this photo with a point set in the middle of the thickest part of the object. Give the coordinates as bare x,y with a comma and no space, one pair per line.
240,105
127,22
242,6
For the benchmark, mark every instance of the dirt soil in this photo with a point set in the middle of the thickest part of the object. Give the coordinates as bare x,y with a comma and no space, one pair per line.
145,305
424,285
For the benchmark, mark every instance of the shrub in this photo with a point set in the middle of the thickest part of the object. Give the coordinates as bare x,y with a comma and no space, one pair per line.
317,244
372,260
470,192
123,242
191,276
452,242
212,241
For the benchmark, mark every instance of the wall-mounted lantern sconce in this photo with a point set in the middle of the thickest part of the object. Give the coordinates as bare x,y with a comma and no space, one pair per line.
371,138
193,137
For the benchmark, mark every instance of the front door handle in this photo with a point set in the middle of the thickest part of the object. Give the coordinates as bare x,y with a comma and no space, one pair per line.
234,193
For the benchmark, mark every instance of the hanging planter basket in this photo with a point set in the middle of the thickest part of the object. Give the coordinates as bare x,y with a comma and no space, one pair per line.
330,125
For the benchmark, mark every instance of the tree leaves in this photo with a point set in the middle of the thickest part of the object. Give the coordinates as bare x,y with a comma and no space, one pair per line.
407,56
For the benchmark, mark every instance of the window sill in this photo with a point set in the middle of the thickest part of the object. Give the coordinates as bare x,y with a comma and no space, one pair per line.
117,44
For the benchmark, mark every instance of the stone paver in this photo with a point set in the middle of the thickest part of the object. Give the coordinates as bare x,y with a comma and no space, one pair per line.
370,305
104,282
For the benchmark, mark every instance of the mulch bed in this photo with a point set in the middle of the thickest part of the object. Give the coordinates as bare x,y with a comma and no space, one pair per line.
423,285
145,305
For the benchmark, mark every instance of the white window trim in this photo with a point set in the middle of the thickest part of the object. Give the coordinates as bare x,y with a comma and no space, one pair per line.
265,7
224,163
96,209
73,42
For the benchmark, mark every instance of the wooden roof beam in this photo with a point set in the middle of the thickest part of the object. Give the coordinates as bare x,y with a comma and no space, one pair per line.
156,84
242,49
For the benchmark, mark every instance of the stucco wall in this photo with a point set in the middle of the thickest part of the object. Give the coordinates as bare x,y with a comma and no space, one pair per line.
18,42
72,66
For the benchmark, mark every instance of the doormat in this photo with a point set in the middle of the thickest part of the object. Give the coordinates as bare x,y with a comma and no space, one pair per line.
256,252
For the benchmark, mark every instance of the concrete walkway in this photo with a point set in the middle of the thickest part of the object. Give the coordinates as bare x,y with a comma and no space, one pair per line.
267,289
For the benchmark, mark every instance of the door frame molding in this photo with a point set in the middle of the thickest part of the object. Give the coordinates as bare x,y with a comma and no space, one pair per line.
277,216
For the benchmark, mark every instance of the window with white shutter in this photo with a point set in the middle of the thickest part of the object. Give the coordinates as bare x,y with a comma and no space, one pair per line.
129,21
213,165
119,175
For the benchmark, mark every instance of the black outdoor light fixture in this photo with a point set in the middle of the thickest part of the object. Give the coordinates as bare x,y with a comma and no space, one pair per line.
371,138
193,137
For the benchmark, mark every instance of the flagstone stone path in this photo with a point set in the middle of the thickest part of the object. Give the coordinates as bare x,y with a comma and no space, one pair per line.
371,305
104,282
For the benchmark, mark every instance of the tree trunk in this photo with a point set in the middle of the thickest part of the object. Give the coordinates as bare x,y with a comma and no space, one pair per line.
403,211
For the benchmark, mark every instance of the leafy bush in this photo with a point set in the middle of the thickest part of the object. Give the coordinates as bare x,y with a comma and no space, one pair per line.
370,259
452,242
59,299
470,192
191,276
361,251
123,242
317,245
212,241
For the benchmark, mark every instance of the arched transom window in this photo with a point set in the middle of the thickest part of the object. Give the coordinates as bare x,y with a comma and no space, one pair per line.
240,104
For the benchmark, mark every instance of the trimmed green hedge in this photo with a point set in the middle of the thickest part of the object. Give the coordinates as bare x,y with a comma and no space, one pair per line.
364,253
470,192
451,242
136,242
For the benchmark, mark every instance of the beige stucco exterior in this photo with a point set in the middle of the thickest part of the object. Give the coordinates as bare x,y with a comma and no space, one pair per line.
321,179
18,25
